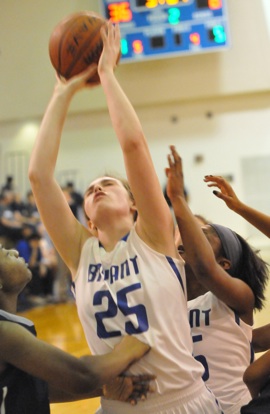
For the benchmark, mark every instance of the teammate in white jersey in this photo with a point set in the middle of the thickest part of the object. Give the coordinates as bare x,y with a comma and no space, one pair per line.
225,283
256,376
127,279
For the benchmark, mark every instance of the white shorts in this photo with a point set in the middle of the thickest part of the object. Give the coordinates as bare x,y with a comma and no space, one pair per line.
200,401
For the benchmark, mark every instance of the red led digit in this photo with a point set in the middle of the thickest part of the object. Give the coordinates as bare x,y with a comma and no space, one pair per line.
120,12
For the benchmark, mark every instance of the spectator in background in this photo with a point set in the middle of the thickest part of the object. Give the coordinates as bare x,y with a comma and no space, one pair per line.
9,184
75,202
14,214
40,289
70,200
10,220
30,209
77,197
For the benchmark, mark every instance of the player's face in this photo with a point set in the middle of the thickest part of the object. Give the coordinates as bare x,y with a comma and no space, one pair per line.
104,194
211,237
14,273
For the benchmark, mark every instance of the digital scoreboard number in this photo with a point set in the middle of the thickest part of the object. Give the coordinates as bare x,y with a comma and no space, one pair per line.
152,29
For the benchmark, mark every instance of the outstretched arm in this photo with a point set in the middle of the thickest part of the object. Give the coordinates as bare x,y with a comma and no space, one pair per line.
78,378
53,207
198,251
155,224
258,219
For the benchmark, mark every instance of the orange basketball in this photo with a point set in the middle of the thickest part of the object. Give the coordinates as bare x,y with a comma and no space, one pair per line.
75,43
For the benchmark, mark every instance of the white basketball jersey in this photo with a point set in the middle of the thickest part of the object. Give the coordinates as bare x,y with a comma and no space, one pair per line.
135,290
222,343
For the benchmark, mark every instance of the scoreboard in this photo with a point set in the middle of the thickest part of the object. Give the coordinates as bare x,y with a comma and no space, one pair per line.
154,29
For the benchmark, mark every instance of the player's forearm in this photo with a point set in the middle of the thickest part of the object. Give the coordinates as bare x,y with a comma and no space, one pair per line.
256,218
198,251
123,116
59,396
45,151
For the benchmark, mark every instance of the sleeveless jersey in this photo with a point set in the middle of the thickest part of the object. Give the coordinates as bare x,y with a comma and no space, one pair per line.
222,343
21,393
137,291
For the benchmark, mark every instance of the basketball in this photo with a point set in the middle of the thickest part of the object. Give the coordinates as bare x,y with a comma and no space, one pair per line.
75,43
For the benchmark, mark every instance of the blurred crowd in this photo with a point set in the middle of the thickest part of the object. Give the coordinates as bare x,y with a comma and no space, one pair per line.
22,229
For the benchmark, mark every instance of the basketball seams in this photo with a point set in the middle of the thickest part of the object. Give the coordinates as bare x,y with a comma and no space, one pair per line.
75,43
83,48
56,40
74,23
68,28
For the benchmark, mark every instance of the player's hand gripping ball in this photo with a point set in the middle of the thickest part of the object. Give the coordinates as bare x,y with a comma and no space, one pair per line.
75,43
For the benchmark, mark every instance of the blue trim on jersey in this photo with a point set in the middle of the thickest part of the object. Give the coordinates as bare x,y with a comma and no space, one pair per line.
252,353
72,287
237,318
176,271
123,238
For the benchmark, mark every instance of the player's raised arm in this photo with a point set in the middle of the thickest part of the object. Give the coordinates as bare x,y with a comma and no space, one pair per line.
154,218
198,252
226,193
52,205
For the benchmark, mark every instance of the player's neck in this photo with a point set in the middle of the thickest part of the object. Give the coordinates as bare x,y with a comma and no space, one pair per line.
108,240
9,304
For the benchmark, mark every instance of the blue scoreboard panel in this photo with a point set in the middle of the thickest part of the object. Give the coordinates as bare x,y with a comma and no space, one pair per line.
152,29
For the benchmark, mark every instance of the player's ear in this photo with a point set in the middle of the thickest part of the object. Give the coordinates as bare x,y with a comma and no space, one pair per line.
133,209
92,228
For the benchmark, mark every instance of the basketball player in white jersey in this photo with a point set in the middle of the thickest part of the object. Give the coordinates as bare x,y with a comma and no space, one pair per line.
225,283
127,278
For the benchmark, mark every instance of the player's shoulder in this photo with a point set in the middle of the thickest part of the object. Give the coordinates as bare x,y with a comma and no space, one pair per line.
11,317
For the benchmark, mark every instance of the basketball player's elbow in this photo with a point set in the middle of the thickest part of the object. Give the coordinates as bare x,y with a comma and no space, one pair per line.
134,142
252,382
37,177
34,173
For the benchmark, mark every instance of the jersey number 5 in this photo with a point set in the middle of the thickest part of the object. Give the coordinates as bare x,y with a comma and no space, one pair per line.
201,358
